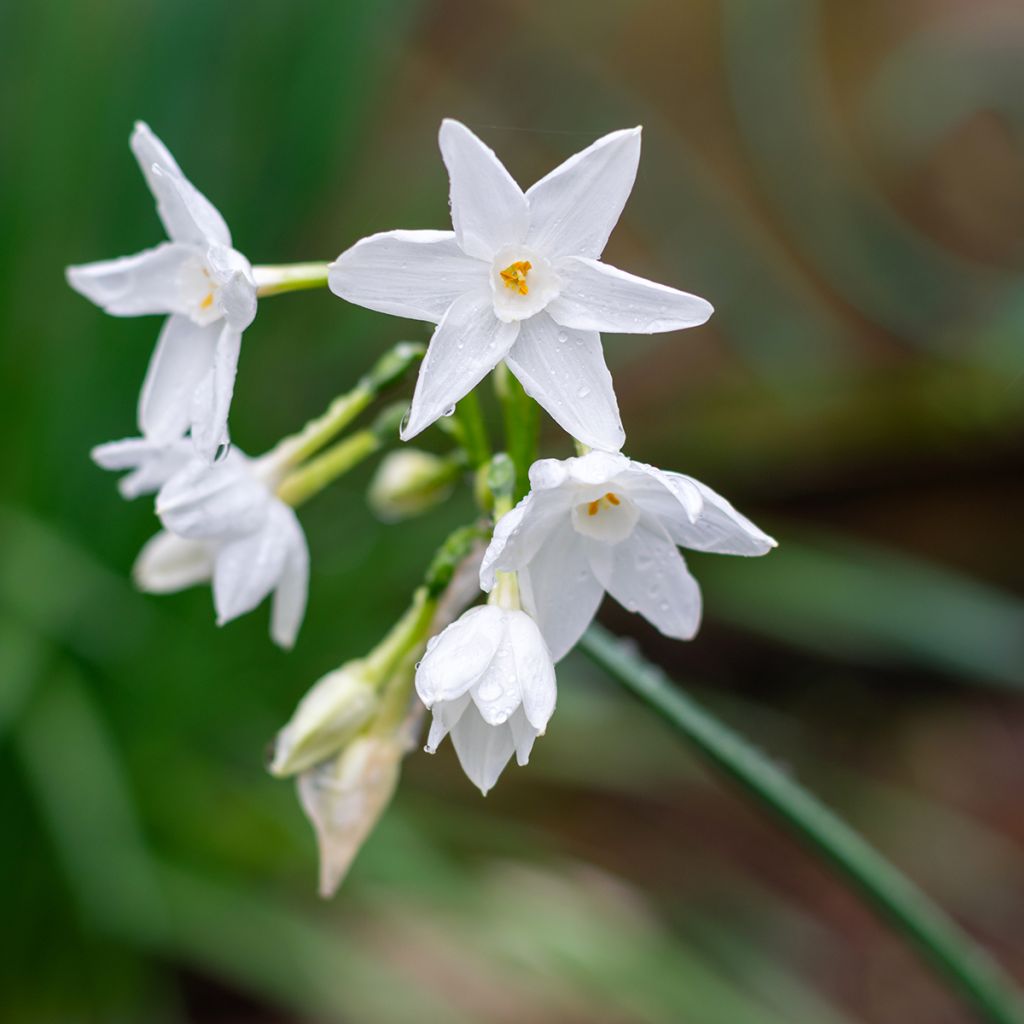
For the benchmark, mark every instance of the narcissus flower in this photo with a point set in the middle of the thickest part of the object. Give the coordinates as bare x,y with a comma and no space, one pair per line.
222,523
520,279
205,286
603,522
490,682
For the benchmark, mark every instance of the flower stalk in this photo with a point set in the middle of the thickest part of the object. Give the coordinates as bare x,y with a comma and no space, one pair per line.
289,277
310,479
387,371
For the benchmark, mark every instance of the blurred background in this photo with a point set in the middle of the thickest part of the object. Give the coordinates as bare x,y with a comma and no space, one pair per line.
845,182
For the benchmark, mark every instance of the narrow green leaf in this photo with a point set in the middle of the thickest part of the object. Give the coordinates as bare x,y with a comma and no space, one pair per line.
955,956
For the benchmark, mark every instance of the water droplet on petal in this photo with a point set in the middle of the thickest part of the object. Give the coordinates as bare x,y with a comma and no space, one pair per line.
582,391
450,411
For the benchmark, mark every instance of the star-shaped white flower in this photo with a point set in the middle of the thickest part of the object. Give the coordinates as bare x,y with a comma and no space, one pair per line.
519,279
603,522
205,286
222,524
490,682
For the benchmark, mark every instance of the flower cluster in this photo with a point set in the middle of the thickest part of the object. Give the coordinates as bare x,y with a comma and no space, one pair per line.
518,287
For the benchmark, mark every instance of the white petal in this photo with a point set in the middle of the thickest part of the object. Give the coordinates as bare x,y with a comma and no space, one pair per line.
719,527
483,749
519,533
560,591
523,735
211,397
489,210
183,355
468,343
597,297
152,464
238,299
595,469
167,564
565,371
186,213
415,274
292,591
458,656
136,285
445,714
535,670
646,574
574,208
204,501
247,569
669,497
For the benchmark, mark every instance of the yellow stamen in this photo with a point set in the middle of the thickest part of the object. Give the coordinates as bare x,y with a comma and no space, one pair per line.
514,276
595,506
207,302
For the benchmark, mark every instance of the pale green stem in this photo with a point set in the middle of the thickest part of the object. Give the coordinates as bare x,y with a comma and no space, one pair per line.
951,951
289,277
387,371
312,478
404,637
506,591
316,433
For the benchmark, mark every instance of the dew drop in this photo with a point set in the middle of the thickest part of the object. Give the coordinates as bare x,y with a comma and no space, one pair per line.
563,337
222,452
450,411
582,391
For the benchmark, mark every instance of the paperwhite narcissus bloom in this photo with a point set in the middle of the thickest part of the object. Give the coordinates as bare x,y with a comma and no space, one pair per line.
490,682
224,524
602,522
205,286
519,279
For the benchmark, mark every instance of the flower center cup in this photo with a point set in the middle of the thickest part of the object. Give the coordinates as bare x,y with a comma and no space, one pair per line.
199,290
609,518
522,283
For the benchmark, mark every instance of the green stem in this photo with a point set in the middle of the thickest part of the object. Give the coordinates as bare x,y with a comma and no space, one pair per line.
310,479
949,949
472,431
289,277
522,425
296,448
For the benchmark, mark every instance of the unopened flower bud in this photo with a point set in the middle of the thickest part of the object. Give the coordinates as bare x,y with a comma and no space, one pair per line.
345,797
408,482
330,715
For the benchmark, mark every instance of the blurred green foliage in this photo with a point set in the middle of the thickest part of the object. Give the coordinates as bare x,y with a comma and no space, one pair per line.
845,182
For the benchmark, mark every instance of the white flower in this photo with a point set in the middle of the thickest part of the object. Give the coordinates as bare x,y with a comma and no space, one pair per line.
490,682
205,285
151,463
223,524
519,279
602,522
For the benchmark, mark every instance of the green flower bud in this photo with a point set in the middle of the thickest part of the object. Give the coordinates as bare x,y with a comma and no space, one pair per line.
409,482
331,714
